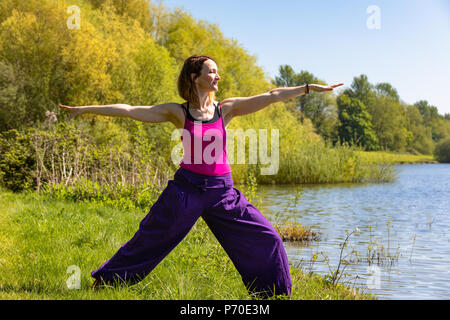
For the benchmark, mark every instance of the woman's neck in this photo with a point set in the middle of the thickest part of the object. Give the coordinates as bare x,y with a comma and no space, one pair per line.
204,103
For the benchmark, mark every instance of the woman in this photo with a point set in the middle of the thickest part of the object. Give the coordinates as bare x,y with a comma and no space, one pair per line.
203,187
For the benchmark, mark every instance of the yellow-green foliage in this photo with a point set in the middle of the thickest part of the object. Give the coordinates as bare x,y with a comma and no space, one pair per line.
442,151
131,52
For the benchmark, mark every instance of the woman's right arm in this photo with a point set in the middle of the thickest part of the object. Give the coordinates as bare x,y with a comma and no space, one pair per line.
157,113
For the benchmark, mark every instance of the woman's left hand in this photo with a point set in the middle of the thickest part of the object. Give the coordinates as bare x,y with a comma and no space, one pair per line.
320,88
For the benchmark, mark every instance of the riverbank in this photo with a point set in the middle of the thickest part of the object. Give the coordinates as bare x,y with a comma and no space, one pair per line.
46,243
391,158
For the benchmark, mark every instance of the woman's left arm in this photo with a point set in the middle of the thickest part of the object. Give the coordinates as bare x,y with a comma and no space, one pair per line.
241,106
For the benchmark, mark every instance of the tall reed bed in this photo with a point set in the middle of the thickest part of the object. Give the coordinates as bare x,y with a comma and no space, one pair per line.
304,157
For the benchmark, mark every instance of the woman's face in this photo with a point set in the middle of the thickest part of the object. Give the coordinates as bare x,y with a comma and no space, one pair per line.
209,77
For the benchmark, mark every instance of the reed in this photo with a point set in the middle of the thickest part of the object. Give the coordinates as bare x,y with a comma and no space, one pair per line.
294,231
319,162
304,157
378,254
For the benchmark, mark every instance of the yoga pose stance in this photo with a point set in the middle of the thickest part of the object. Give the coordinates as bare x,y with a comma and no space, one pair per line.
203,187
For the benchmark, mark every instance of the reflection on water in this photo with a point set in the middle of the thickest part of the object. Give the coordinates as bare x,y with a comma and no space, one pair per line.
409,219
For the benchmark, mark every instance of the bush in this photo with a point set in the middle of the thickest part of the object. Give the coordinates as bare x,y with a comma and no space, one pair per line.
126,197
17,161
62,154
442,151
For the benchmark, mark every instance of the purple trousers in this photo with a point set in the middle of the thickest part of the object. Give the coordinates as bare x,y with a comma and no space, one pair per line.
252,244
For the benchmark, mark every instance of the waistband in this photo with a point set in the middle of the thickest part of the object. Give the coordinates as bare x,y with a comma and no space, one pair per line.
204,182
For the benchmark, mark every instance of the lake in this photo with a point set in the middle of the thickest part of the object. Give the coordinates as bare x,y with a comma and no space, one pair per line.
401,247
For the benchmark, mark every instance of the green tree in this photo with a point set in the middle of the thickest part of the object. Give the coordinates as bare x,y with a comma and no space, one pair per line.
17,160
389,123
427,111
12,99
387,90
355,123
288,78
419,136
29,40
442,151
362,90
432,119
319,107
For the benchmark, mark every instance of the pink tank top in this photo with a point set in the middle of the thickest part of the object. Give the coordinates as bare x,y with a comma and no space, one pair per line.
205,144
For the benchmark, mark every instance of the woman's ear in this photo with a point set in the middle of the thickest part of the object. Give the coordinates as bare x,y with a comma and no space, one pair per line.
194,77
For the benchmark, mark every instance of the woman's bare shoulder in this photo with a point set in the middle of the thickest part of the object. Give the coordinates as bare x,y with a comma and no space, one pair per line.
176,110
225,109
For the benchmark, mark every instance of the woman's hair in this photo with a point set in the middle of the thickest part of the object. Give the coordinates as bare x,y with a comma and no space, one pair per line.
186,85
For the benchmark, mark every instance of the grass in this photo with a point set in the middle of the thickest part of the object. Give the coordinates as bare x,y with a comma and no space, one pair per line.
391,158
41,238
294,231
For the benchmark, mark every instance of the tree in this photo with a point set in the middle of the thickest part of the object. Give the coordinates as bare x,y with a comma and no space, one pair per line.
427,111
389,123
442,151
386,90
29,41
432,119
362,90
287,77
419,136
319,107
355,123
12,100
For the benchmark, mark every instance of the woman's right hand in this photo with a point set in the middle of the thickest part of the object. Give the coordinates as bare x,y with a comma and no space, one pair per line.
74,111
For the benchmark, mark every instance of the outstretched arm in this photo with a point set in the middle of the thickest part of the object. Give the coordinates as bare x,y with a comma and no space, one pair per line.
157,113
242,106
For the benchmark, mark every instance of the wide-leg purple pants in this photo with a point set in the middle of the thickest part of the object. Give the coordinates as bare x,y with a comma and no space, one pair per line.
253,245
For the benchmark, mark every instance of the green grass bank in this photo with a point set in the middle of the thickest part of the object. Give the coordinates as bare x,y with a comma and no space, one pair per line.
41,238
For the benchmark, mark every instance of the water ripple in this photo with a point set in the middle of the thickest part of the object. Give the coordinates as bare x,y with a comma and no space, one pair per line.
409,218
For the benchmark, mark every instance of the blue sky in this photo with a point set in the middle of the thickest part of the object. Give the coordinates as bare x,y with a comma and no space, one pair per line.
330,39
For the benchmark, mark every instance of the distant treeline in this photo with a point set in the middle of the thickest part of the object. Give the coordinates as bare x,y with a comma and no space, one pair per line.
371,116
131,52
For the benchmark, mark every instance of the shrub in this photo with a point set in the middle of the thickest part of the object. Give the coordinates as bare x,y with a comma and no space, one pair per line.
442,151
17,161
126,197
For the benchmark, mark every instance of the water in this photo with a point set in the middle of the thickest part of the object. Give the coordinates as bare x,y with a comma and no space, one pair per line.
409,217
